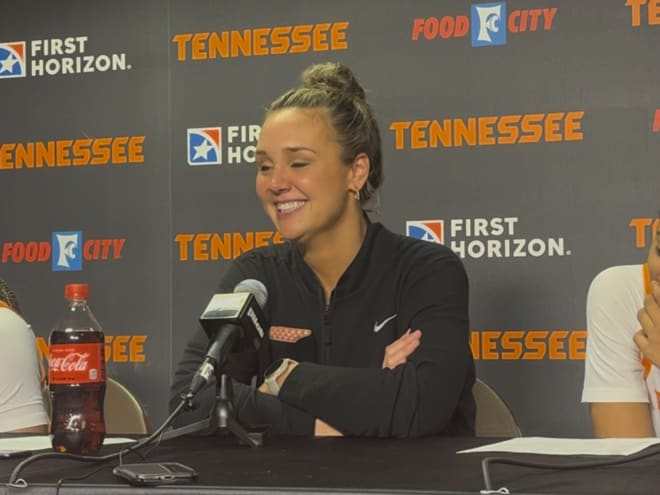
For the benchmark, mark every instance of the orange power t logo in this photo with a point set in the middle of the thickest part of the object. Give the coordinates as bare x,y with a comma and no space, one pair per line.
644,11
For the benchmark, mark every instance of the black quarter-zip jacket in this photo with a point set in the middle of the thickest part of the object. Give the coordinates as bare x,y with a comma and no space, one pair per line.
395,283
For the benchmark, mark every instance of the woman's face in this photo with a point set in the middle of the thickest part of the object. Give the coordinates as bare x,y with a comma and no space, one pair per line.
301,179
654,257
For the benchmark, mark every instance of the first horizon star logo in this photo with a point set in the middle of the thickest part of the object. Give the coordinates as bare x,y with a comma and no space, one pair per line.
204,146
12,59
426,230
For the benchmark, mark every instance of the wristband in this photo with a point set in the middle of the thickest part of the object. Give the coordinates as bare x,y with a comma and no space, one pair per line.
273,372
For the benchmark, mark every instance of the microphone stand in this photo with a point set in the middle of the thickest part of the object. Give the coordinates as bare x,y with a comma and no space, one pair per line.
222,418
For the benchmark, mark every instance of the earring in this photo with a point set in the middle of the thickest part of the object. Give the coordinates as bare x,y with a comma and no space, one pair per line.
357,195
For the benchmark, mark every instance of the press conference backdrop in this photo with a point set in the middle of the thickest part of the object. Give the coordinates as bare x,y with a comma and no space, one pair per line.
525,135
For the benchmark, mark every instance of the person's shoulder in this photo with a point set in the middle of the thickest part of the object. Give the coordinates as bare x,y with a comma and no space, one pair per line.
266,254
417,249
12,325
620,277
621,286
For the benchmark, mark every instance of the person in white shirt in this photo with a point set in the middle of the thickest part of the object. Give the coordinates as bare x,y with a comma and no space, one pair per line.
21,402
622,366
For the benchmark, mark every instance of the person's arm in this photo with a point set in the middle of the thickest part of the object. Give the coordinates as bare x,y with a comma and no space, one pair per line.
32,429
621,420
417,398
20,378
396,353
252,408
614,382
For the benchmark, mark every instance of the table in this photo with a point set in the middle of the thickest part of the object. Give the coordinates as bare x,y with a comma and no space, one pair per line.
336,465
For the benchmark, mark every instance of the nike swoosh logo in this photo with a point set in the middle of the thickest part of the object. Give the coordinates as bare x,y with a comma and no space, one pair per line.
379,326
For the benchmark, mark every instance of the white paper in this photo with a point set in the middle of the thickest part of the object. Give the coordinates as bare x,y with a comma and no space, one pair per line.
42,442
568,446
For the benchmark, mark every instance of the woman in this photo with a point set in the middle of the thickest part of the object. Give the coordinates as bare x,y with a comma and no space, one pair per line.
373,325
622,380
21,402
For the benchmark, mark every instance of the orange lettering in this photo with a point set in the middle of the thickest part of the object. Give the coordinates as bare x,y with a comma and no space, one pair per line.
200,247
489,344
556,346
486,130
512,344
338,36
119,149
199,45
418,134
62,149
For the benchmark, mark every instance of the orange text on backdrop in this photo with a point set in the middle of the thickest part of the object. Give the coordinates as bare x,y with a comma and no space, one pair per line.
279,40
118,348
72,152
526,345
644,11
207,246
488,130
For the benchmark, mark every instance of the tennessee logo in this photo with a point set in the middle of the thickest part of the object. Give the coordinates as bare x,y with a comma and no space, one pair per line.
12,59
204,146
426,230
488,24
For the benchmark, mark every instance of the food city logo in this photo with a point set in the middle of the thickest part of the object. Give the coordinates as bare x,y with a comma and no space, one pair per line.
488,130
488,24
118,348
66,251
218,145
528,345
250,42
645,230
55,56
485,238
212,246
118,150
644,12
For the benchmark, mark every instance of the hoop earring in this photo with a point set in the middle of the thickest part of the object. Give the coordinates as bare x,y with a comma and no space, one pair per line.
357,195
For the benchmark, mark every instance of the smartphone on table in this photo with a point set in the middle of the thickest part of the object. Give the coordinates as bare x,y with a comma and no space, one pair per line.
155,473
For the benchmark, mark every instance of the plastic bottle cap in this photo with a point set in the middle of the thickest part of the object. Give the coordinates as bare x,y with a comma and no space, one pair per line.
76,291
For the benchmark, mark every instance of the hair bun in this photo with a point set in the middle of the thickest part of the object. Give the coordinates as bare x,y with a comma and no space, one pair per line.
335,76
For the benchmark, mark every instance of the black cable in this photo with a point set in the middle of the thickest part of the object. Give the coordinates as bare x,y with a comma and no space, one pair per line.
97,459
486,462
61,481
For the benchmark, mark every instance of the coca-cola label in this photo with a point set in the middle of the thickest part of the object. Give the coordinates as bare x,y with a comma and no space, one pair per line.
76,363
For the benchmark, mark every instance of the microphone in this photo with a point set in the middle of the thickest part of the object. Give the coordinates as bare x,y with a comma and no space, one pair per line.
230,320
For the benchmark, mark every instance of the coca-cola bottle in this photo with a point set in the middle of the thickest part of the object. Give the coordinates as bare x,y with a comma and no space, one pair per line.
76,377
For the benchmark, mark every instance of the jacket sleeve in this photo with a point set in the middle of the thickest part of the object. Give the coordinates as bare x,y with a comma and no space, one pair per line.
252,407
429,394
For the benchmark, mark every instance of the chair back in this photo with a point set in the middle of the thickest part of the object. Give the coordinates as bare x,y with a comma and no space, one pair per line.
124,415
494,418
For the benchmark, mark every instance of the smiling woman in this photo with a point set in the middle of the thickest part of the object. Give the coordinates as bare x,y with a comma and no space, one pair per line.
369,329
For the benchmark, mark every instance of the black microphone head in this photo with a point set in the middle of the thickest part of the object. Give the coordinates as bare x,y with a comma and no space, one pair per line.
254,287
243,308
8,296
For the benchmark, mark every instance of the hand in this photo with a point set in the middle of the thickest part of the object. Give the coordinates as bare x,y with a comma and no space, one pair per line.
398,351
648,338
323,429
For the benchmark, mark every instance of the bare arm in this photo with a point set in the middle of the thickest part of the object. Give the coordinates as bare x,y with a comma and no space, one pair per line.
621,419
33,429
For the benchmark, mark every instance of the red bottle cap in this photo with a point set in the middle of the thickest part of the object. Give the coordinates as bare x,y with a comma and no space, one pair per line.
76,291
